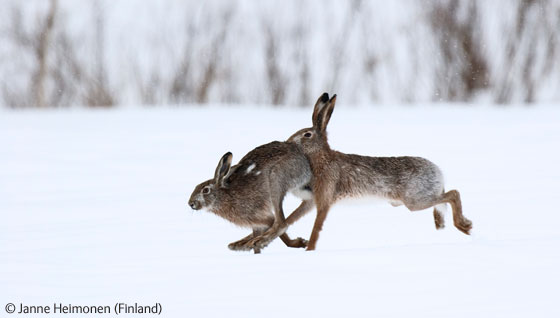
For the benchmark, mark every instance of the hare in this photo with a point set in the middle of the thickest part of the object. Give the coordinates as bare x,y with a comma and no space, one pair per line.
415,182
246,193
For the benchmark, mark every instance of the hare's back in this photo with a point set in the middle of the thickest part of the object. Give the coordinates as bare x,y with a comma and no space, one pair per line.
271,155
274,156
403,166
391,176
406,169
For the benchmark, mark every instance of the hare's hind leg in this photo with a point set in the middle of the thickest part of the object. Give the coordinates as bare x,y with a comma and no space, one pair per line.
452,197
301,210
241,245
297,242
278,227
258,229
439,212
459,220
257,232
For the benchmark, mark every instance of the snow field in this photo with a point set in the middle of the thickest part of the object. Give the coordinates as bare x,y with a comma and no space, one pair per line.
94,211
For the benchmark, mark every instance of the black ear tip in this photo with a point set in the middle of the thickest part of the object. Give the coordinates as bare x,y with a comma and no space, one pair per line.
227,156
333,97
325,97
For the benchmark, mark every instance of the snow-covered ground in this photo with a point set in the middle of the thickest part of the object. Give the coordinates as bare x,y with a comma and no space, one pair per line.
94,211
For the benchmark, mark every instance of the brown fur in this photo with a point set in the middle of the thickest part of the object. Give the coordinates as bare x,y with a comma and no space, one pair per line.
438,219
246,194
415,182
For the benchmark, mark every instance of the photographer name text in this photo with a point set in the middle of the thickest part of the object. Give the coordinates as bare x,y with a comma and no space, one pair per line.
60,308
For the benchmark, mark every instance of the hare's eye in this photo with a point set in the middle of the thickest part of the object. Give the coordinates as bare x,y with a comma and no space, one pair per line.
307,135
205,190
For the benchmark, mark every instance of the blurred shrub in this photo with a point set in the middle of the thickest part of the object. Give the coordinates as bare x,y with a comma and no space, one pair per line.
60,53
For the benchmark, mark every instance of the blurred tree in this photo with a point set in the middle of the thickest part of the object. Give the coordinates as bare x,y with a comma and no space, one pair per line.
463,69
104,53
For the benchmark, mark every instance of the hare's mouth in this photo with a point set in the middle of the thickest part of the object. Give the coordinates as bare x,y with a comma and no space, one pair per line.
194,205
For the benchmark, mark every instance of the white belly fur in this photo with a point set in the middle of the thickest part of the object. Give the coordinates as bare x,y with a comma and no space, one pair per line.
302,193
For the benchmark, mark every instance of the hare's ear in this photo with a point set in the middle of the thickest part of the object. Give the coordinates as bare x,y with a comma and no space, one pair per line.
325,115
223,168
319,106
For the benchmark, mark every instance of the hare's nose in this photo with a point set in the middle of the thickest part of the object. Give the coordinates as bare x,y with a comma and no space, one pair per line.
192,205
